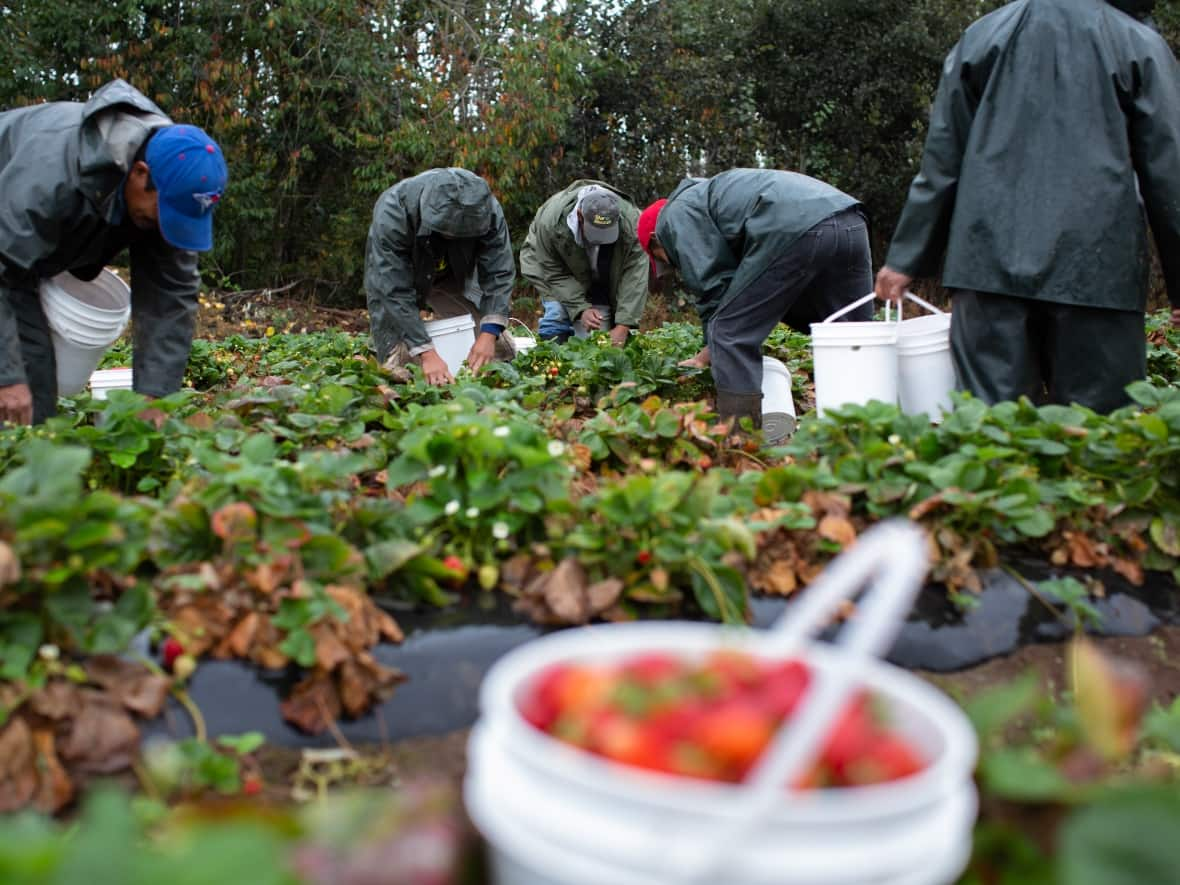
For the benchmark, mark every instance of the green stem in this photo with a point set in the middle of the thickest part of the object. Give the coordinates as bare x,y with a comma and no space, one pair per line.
194,711
706,574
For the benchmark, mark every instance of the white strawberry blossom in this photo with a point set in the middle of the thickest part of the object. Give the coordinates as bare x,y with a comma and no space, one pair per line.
452,508
472,512
500,531
501,431
556,448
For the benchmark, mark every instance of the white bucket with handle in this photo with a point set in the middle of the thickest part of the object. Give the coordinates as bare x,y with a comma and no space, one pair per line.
778,405
452,339
925,371
554,814
855,362
85,318
523,342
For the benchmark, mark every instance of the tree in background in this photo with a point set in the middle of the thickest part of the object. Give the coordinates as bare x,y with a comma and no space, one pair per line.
322,104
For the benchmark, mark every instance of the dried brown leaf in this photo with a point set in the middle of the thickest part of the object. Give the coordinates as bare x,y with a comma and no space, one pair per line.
54,787
330,652
838,529
102,738
57,700
18,776
565,592
603,595
314,704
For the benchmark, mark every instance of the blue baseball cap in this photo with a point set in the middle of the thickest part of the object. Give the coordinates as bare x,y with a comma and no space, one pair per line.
189,174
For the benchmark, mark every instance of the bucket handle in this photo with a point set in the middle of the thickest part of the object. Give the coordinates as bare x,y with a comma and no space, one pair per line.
921,303
524,326
847,308
892,556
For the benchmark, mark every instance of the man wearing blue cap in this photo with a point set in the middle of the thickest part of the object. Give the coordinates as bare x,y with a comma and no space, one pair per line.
79,183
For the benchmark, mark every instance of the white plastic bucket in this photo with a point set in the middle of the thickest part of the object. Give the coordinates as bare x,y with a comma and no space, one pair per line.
778,406
925,372
523,342
855,362
452,339
85,318
556,815
105,380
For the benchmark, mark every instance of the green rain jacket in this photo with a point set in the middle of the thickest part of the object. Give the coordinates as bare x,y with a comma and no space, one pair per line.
1055,130
400,259
62,169
553,261
722,233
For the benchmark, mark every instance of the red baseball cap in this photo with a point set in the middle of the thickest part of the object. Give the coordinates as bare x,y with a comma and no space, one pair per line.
647,224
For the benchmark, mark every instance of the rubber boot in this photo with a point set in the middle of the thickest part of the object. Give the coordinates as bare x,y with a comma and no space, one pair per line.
738,406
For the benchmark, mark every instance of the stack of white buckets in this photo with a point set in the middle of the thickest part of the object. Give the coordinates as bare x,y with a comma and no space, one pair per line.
907,362
85,318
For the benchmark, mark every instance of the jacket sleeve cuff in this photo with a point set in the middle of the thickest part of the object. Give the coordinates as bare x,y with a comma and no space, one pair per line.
495,319
421,349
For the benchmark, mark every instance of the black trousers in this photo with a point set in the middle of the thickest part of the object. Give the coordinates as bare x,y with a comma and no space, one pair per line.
1005,347
36,351
829,267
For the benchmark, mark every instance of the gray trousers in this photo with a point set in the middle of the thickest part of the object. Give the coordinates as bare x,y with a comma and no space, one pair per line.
1005,347
827,268
36,351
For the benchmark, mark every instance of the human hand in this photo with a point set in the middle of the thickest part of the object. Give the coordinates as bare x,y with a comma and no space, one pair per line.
16,404
892,284
618,335
700,361
483,351
435,369
592,318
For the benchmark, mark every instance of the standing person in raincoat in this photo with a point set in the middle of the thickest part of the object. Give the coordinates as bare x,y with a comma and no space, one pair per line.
582,254
1055,131
79,183
759,247
438,242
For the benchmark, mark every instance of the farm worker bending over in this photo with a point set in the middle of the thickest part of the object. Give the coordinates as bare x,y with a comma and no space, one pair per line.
582,254
438,242
79,183
1055,131
759,247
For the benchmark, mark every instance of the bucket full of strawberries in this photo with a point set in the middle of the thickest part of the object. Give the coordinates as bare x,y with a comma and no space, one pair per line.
669,752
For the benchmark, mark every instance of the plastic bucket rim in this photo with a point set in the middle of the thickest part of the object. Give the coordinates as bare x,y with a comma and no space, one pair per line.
449,324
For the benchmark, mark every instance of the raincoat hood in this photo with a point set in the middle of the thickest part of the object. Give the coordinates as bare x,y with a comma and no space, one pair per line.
457,204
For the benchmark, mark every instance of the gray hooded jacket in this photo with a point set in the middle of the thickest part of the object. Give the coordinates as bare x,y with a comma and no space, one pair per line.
402,257
62,169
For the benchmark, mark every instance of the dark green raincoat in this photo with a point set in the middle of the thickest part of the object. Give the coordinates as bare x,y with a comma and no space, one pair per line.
722,233
554,262
1055,131
62,169
402,258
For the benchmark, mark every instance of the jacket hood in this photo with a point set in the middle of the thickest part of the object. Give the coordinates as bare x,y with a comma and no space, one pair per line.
457,204
115,121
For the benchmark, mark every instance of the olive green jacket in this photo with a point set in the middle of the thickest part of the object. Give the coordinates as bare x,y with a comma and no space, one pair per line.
559,268
62,169
400,261
1054,135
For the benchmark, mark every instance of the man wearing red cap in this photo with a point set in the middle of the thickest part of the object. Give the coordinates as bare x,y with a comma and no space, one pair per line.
81,182
759,247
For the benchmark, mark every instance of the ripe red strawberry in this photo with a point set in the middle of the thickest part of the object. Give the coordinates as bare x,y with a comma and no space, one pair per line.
170,650
252,785
643,557
889,758
454,563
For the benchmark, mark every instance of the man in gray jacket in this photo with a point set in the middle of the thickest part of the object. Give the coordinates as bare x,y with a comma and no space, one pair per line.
1054,136
438,242
79,183
759,247
582,253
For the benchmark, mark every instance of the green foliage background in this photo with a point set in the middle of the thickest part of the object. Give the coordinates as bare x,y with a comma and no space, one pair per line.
322,104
